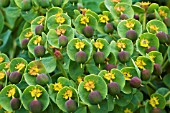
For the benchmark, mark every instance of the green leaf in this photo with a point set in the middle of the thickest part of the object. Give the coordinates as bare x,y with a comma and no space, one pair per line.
157,57
2,22
153,7
95,108
169,53
52,11
100,86
49,63
166,80
27,98
122,29
5,57
29,15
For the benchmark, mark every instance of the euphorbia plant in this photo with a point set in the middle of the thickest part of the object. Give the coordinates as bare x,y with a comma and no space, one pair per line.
81,56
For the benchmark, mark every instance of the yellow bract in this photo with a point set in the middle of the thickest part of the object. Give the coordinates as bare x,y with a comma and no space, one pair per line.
11,92
144,43
41,20
121,45
84,20
152,57
116,1
20,66
140,64
145,3
98,45
37,40
29,34
127,75
127,110
162,13
80,79
89,85
60,20
130,24
57,86
154,28
60,31
103,18
79,45
7,65
33,70
1,59
2,75
36,92
109,76
68,94
154,101
119,9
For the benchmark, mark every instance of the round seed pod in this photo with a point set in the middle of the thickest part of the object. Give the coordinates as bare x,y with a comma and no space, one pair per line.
113,88
15,103
81,57
39,51
95,97
152,48
24,43
88,31
157,69
26,5
108,28
99,57
39,29
123,17
15,77
5,3
162,37
123,56
132,35
36,106
71,105
42,79
63,40
135,82
110,66
145,74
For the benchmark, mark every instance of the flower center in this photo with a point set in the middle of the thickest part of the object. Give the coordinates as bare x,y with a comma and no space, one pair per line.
98,45
154,101
29,34
2,75
37,41
162,13
127,75
152,57
116,1
121,45
140,64
41,20
127,110
57,86
58,14
84,20
130,24
79,45
60,20
1,59
68,94
154,28
20,66
109,76
103,18
34,71
60,31
119,9
36,93
89,85
144,43
11,92
80,79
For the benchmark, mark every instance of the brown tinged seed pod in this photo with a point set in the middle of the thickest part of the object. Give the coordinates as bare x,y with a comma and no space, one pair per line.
123,17
131,34
63,40
167,22
151,48
71,105
98,57
162,37
156,110
26,5
123,56
88,31
136,16
95,97
1,87
145,74
36,106
110,66
15,77
157,69
24,43
42,79
15,103
39,51
113,88
5,3
39,29
58,54
108,28
135,82
81,57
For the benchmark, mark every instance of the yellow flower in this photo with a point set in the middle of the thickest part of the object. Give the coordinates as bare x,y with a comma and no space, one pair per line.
41,20
33,70
127,110
29,34
152,57
60,20
121,45
162,13
144,43
109,76
145,4
57,86
79,45
103,18
154,28
119,9
20,66
37,40
36,92
68,94
140,64
7,65
80,79
2,75
58,14
127,75
1,59
89,85
60,31
130,24
98,45
7,112
11,92
116,1
84,20
154,101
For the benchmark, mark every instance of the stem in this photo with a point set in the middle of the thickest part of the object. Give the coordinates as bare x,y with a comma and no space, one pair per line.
62,69
165,64
144,21
165,56
8,25
167,94
151,86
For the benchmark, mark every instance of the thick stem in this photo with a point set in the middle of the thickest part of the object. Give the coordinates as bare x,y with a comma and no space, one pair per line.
165,64
60,66
144,21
